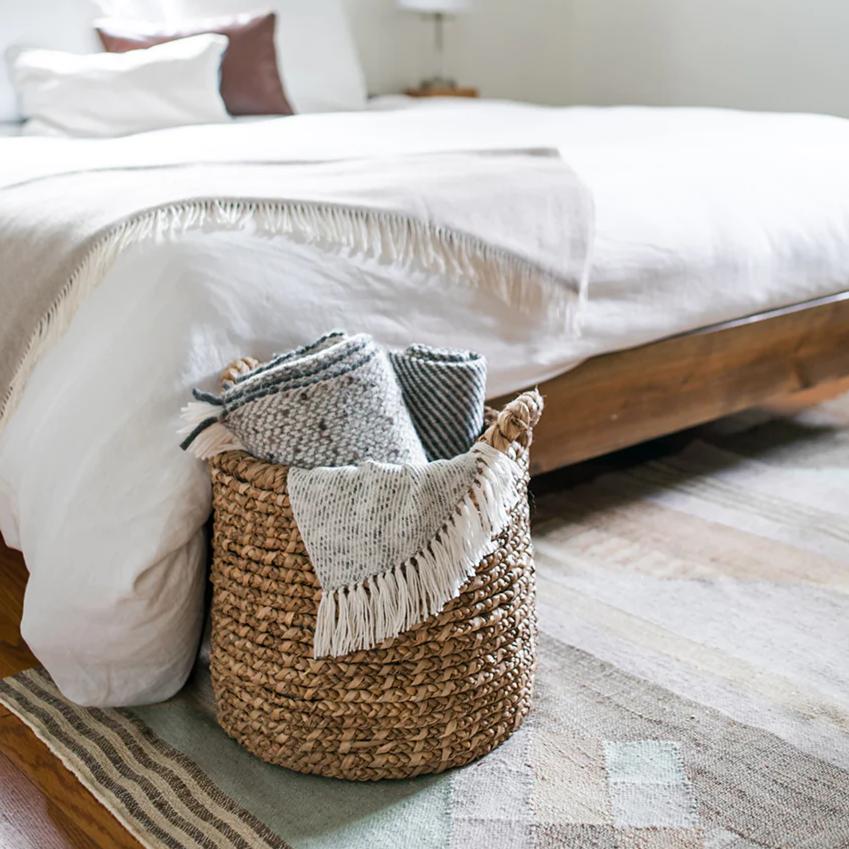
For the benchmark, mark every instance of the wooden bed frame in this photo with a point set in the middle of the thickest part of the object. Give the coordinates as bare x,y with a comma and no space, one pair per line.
616,400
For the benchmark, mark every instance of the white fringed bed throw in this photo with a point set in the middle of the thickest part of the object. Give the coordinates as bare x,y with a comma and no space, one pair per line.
392,545
516,224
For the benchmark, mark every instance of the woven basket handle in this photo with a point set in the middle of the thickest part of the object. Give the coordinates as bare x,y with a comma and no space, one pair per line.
515,423
237,368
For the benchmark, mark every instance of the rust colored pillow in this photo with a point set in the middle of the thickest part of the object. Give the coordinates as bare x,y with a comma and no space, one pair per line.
250,78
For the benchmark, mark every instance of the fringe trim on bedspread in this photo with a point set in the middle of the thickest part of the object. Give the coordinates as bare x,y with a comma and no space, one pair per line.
390,238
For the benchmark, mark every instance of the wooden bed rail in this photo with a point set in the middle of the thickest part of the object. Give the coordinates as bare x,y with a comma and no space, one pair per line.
617,400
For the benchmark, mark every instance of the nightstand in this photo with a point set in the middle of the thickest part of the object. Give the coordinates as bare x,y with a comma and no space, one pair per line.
442,91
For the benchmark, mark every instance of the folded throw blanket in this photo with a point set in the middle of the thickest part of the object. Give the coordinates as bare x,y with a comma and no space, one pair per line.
320,344
444,392
332,403
392,545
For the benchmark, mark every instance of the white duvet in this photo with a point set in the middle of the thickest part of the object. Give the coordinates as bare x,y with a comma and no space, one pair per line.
701,216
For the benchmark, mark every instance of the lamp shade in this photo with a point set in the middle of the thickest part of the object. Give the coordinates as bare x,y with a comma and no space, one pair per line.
447,7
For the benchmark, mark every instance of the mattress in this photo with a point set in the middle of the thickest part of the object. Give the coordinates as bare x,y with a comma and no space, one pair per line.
701,216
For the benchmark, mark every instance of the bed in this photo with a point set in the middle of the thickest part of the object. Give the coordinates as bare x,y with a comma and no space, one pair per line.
699,219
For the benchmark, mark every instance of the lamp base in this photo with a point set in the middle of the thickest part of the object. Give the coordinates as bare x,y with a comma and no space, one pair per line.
441,83
441,88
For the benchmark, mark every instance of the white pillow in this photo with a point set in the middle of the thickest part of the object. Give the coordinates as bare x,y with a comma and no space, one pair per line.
64,25
134,9
114,94
315,49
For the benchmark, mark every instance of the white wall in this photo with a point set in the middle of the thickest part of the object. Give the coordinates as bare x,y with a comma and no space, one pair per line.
389,42
498,47
752,54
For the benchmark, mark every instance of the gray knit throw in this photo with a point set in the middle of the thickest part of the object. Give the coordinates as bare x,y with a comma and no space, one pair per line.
335,402
444,392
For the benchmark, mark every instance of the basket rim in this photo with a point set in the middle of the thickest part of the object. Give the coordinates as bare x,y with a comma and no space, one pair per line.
510,430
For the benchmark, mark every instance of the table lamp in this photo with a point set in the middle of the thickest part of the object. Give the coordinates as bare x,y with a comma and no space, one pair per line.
438,10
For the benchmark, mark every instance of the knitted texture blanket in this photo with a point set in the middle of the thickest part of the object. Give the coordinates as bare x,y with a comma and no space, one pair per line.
334,402
392,545
444,392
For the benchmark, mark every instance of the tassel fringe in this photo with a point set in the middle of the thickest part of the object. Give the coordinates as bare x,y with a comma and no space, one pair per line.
204,434
389,238
360,616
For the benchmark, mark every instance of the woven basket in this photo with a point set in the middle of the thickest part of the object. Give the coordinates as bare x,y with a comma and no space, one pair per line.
438,696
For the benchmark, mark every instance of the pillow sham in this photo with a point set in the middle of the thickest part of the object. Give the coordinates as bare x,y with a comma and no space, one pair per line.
45,23
250,79
315,49
115,94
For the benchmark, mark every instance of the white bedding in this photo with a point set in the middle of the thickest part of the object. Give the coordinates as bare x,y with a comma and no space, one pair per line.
701,216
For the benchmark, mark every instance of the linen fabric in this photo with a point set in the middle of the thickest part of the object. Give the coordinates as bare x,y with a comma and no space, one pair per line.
380,209
316,53
106,94
444,391
250,79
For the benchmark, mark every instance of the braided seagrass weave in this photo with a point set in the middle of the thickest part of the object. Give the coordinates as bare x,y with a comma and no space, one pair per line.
438,696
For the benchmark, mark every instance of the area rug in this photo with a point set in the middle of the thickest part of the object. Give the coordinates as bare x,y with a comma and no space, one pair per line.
692,693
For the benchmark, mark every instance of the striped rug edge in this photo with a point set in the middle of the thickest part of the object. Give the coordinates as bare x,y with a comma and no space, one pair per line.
10,703
23,696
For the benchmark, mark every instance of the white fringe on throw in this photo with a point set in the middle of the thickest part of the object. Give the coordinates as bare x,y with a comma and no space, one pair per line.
215,438
362,615
389,238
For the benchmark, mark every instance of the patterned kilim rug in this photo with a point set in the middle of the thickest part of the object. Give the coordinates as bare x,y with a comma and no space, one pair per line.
693,687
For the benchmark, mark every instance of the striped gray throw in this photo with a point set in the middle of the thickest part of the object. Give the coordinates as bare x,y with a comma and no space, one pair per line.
444,392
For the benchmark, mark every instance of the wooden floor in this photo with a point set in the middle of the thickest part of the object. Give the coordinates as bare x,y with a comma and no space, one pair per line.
42,806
